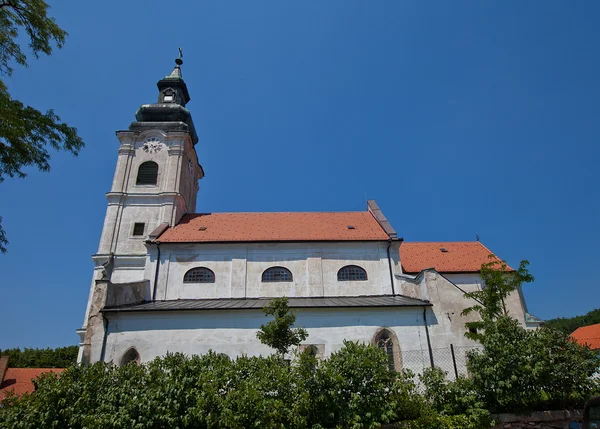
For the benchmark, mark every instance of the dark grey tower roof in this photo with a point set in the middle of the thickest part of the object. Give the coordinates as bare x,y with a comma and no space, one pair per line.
169,113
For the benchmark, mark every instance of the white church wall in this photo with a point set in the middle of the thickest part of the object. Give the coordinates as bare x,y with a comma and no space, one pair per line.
238,269
469,282
233,332
446,293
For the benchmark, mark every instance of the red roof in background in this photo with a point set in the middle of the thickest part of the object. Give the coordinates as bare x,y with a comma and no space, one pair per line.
588,335
18,380
461,257
292,226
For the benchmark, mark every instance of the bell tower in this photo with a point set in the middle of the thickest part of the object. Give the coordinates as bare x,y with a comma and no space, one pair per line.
155,184
157,172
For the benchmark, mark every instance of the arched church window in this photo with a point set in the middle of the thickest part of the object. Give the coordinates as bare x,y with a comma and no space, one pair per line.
277,274
312,350
351,273
147,173
388,342
130,355
199,275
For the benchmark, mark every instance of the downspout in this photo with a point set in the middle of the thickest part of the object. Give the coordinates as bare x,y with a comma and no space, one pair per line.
105,323
156,271
427,334
390,265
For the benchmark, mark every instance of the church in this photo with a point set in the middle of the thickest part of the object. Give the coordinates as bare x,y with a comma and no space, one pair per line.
167,279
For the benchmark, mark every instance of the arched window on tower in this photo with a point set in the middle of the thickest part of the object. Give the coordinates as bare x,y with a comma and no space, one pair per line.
199,275
147,173
388,342
130,355
351,273
277,274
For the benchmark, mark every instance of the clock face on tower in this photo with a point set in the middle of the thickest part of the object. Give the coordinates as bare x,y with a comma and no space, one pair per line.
152,145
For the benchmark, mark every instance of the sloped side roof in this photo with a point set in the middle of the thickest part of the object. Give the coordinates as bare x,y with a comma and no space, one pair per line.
588,335
18,380
458,257
292,226
258,303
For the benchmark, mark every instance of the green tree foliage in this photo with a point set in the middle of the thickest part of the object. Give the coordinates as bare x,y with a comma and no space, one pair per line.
352,389
521,370
517,369
60,357
456,398
279,332
25,132
499,283
570,324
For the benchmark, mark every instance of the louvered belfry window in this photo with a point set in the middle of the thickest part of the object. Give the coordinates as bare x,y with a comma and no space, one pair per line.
277,274
352,273
199,275
147,173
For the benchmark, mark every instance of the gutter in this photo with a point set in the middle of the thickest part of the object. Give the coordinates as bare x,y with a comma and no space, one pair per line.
152,239
390,266
156,271
376,212
105,323
428,339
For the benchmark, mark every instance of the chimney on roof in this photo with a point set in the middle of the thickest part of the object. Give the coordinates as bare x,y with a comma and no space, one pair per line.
3,367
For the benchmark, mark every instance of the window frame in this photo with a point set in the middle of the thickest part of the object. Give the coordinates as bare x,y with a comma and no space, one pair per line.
269,270
352,266
205,269
125,359
133,231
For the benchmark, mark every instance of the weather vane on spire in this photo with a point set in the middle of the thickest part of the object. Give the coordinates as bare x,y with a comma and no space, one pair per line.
179,60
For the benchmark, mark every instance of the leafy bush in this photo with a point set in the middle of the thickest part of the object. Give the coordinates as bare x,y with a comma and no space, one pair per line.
453,403
520,370
60,357
351,389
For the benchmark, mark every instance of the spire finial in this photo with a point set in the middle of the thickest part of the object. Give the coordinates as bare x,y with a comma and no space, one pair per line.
176,73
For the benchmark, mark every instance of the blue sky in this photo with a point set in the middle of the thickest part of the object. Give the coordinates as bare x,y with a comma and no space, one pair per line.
459,118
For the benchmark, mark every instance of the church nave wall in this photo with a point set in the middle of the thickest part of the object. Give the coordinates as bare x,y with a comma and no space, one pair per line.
238,269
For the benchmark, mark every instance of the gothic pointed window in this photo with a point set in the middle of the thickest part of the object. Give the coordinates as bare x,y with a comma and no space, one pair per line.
130,355
199,275
312,350
147,173
277,274
351,273
387,341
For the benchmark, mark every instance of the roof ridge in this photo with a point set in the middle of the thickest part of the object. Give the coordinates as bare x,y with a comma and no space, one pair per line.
433,242
278,212
488,249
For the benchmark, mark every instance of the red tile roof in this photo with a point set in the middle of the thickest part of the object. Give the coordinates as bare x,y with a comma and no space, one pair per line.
588,335
460,257
296,226
18,380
